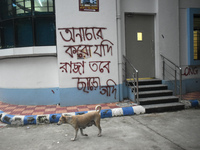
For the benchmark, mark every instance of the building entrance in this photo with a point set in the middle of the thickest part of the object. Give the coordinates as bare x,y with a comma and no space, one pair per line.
140,43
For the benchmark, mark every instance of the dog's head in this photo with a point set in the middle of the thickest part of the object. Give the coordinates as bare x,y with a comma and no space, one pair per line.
63,119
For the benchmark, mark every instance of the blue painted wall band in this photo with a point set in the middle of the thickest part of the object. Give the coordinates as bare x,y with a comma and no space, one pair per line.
42,96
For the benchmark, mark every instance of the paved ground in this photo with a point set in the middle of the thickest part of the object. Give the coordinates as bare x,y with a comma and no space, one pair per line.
163,131
49,109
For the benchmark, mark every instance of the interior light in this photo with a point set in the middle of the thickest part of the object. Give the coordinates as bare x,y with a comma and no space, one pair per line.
139,36
40,3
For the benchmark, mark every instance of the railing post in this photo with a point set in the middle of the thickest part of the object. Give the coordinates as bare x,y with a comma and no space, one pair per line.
180,88
135,77
175,87
180,73
163,69
138,102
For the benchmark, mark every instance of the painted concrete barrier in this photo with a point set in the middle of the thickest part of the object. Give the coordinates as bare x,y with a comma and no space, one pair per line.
191,103
194,103
53,118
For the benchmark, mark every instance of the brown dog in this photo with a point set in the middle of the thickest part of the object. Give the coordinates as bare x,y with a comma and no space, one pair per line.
83,121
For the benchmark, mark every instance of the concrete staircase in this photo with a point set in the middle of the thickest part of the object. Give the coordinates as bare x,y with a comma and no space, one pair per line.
156,97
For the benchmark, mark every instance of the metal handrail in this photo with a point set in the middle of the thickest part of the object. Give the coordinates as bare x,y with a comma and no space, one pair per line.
175,75
135,79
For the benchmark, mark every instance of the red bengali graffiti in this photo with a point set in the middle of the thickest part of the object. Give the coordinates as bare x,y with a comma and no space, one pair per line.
101,50
88,84
79,67
79,50
103,47
82,33
99,65
190,71
109,88
82,51
75,67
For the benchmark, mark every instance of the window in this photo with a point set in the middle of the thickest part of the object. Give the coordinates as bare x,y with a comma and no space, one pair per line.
43,6
45,31
6,9
0,36
193,27
27,23
23,7
24,33
7,34
196,36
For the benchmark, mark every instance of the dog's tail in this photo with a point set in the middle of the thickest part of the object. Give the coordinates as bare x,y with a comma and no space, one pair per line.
98,107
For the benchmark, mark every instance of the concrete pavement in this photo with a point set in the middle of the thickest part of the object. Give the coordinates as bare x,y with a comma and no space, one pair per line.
163,131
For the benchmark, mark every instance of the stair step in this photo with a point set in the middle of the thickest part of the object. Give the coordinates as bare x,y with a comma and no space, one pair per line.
163,107
155,93
152,87
150,81
158,100
145,82
155,97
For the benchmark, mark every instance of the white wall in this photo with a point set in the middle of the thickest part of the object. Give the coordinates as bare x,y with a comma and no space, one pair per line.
29,73
28,51
68,16
168,29
189,4
29,80
106,17
138,6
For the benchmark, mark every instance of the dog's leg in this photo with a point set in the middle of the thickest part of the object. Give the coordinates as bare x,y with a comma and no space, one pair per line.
82,132
97,123
75,134
99,127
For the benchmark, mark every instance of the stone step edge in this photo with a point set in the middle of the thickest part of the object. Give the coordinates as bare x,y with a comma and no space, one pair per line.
20,120
158,98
